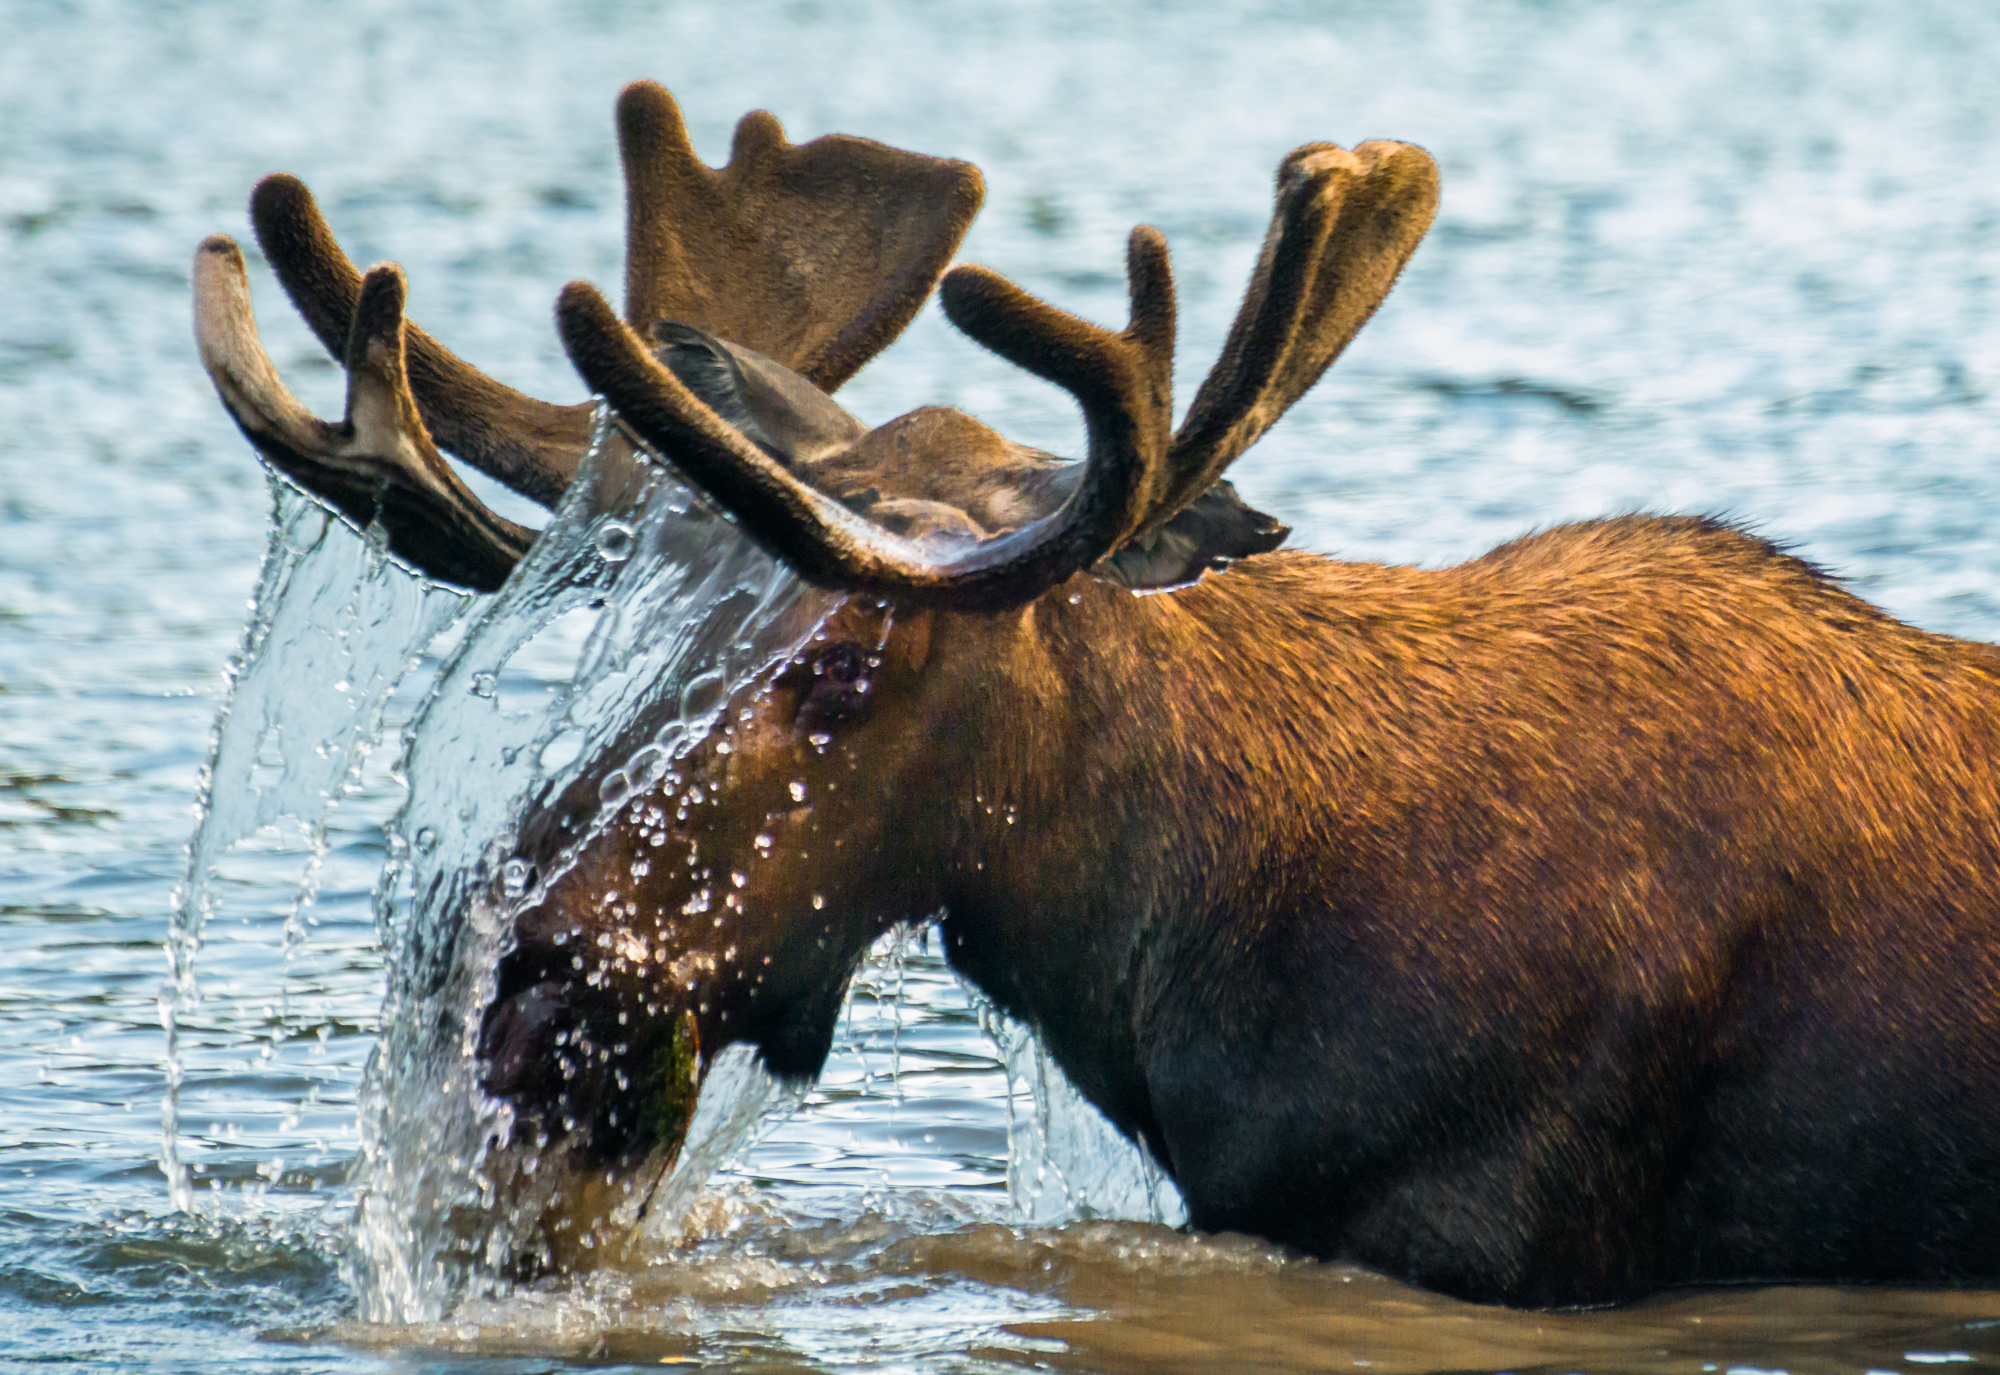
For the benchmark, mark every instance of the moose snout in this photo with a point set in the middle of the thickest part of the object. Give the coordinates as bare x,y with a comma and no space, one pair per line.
589,1059
522,1035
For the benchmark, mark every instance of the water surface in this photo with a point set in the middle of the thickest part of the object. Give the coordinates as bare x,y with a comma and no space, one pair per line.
1693,255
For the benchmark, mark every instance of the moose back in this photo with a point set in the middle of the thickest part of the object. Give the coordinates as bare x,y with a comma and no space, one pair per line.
1613,911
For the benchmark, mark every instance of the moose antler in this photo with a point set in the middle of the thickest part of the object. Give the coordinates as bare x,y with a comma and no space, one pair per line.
1345,224
532,446
816,256
379,466
1123,382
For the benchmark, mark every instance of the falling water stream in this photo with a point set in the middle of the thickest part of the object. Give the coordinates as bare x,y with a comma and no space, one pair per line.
676,609
331,612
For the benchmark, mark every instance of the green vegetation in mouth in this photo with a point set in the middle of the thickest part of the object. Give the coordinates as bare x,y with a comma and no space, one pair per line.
671,1104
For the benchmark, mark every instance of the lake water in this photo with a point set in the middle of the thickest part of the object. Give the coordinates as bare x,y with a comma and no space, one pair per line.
1693,255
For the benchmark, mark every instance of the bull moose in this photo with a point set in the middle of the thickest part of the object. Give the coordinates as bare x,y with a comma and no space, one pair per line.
1618,909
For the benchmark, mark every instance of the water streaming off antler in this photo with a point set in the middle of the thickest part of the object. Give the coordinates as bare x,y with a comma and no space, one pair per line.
678,607
334,628
610,650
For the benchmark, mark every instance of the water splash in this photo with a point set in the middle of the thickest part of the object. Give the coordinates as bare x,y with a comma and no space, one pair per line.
608,654
878,983
334,627
1065,1161
674,606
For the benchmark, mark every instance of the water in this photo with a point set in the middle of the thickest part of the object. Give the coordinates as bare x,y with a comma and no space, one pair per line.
670,600
1692,255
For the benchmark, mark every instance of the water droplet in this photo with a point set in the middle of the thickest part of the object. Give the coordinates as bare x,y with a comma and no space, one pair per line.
616,787
514,877
427,840
485,684
739,879
702,694
614,541
724,747
647,763
818,902
399,844
763,844
798,791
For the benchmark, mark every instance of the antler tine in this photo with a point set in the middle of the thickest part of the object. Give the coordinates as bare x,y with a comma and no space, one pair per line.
379,467
1344,226
816,256
532,446
1122,380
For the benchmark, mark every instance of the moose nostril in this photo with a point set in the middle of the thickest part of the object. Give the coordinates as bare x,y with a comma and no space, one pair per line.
520,1037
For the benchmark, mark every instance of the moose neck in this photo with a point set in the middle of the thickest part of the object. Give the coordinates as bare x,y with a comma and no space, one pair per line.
1147,797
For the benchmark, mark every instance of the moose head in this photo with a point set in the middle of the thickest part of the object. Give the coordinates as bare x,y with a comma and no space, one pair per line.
1514,927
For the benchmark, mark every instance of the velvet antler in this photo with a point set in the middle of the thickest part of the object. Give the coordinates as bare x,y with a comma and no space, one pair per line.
1344,226
1121,380
379,466
1147,511
532,446
816,256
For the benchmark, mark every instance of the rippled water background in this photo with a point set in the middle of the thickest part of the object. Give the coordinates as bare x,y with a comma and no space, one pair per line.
1706,255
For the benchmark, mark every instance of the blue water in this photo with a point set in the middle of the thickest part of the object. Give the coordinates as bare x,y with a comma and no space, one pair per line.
1693,255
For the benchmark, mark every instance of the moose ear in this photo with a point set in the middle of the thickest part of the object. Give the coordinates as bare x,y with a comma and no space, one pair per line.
1214,529
776,409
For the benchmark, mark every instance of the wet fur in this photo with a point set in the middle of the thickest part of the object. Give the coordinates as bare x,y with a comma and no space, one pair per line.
1613,911
1616,910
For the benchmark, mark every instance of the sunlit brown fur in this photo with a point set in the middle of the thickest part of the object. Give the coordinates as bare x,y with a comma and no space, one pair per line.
1615,910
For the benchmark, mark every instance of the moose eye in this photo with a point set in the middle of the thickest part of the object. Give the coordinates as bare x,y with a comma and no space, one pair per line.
837,689
842,663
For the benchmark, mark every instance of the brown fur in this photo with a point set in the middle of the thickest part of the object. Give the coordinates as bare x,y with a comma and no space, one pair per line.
1613,911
